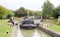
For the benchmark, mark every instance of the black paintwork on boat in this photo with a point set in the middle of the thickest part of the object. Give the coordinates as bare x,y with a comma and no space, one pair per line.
27,27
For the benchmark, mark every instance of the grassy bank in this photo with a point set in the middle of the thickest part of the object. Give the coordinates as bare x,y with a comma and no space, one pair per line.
50,21
52,24
4,27
55,28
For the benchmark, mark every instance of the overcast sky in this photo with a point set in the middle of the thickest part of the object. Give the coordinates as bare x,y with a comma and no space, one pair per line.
28,4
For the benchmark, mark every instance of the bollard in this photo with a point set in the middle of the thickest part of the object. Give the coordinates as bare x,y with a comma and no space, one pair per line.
6,31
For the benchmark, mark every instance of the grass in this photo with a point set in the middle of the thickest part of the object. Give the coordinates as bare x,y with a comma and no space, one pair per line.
17,18
55,27
50,21
4,27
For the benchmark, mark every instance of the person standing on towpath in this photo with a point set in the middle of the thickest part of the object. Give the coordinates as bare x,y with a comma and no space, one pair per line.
11,19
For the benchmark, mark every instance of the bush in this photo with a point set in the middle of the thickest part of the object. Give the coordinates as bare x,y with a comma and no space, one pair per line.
10,14
58,22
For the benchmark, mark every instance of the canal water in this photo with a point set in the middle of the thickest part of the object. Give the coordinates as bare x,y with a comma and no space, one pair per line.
31,33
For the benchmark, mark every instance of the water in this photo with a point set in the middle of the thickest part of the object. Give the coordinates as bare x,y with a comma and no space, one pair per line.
31,33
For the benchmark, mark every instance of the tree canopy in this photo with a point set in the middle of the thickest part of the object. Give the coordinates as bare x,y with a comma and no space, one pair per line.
21,12
56,12
47,9
4,12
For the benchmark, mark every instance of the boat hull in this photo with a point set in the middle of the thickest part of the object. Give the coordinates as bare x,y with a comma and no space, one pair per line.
27,27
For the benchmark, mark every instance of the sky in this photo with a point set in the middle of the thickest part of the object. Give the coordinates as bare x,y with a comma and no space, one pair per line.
28,4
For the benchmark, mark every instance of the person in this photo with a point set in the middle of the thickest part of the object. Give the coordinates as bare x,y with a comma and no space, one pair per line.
41,19
11,20
25,18
32,21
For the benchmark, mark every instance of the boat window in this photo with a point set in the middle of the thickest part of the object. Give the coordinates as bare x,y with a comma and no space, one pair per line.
29,22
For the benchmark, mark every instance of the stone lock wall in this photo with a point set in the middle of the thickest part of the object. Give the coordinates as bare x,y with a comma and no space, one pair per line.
49,31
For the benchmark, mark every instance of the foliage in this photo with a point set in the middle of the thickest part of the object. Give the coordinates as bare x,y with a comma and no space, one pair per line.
4,12
30,12
39,12
24,12
21,12
47,9
56,12
10,13
58,22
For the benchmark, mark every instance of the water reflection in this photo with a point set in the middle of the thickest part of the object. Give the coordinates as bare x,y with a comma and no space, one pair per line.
43,34
34,33
31,33
19,33
27,33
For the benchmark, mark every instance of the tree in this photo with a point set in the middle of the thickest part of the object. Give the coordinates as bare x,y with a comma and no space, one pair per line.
3,11
39,12
30,12
10,13
47,9
58,22
21,12
56,12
